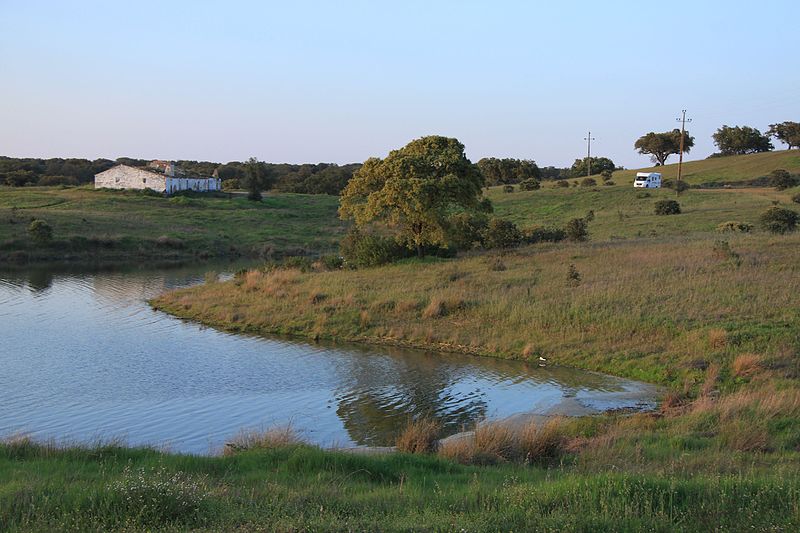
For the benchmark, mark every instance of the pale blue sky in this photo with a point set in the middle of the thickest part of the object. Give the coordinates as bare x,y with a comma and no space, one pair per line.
342,81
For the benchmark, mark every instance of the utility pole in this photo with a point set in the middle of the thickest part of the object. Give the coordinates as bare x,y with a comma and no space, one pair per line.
589,140
683,120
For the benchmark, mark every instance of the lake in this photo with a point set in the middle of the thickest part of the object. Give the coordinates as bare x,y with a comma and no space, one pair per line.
84,358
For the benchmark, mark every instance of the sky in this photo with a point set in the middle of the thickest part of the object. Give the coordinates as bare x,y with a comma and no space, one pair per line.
341,81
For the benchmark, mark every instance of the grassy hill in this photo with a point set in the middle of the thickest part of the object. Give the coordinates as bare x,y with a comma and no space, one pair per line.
130,226
718,171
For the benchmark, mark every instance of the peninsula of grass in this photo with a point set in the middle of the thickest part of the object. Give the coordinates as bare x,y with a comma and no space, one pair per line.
129,226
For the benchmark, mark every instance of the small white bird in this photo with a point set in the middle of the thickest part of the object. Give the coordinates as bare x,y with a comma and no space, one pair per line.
542,359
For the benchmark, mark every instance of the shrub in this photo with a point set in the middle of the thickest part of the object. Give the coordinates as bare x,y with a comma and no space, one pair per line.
465,230
573,276
781,179
722,251
577,230
678,186
301,263
419,436
501,233
606,175
40,231
529,185
779,220
588,182
365,250
589,215
609,183
562,183
735,226
508,188
796,198
667,207
332,261
495,264
542,234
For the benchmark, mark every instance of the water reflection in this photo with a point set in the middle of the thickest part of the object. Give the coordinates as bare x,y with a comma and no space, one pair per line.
84,356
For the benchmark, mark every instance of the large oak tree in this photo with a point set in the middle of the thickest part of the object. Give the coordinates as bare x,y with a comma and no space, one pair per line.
787,132
662,145
741,140
413,190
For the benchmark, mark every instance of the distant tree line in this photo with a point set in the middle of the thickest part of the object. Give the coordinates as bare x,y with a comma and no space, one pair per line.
320,178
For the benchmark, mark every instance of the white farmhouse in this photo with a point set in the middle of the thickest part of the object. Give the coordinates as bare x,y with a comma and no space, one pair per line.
160,176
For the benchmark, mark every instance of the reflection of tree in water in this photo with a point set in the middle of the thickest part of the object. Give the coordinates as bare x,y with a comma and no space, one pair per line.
40,279
388,390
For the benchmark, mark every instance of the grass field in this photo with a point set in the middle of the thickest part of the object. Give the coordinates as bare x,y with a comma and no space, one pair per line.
299,488
91,224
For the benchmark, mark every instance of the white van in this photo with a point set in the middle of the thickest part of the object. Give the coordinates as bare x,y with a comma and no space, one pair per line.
648,180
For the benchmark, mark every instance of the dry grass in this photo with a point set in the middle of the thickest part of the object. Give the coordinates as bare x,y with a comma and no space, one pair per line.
542,443
276,437
419,436
746,365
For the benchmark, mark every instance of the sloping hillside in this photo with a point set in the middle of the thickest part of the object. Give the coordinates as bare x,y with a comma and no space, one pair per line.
718,171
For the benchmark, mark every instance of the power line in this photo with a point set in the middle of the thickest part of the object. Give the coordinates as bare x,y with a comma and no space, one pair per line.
589,140
683,120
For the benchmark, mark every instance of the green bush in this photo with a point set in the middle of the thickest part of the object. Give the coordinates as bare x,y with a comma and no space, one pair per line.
735,226
501,233
609,183
667,207
542,234
606,175
465,230
678,186
779,220
562,183
300,262
781,179
332,261
366,250
529,185
588,182
40,231
573,276
508,188
796,198
577,230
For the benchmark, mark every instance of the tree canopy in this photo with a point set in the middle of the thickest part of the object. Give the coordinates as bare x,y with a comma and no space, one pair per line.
787,132
662,145
413,190
599,164
501,171
257,178
741,140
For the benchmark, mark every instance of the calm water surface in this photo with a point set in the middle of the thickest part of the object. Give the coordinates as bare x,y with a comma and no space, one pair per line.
82,357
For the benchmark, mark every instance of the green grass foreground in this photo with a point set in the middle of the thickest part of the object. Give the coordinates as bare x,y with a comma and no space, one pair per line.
301,488
93,224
